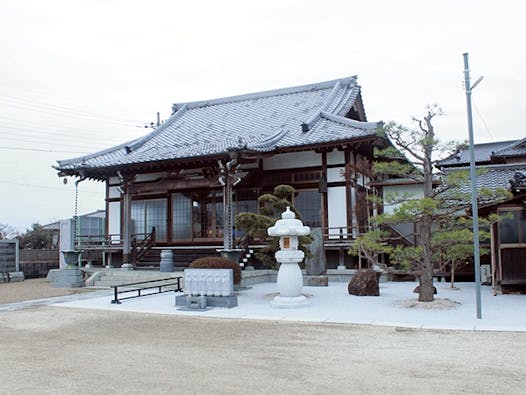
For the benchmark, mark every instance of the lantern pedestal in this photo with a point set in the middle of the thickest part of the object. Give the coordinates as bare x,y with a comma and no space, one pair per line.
290,283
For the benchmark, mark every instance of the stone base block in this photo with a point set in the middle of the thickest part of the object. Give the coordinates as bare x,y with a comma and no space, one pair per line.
315,281
11,277
289,302
67,278
211,301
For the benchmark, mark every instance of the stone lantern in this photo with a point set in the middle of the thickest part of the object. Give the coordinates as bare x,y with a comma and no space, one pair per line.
290,279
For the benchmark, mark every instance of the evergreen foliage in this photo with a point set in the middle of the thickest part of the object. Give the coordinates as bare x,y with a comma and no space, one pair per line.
213,262
443,234
271,206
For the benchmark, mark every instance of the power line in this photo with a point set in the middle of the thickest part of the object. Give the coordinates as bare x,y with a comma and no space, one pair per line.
42,150
483,122
44,97
60,108
42,140
35,133
43,187
59,127
61,113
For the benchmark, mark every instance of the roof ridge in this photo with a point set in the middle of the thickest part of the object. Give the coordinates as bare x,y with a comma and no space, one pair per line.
349,121
491,166
268,93
513,144
273,139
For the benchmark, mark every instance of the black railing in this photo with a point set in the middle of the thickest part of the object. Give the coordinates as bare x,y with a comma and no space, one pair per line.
167,285
140,248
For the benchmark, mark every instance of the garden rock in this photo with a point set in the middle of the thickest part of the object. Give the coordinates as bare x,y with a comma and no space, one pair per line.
364,283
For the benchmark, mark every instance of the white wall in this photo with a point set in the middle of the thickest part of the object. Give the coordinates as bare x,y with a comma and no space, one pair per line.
412,191
113,192
335,158
337,204
292,160
336,174
114,218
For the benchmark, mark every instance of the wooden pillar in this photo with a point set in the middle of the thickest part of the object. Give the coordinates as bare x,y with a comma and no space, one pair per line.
126,185
126,222
493,243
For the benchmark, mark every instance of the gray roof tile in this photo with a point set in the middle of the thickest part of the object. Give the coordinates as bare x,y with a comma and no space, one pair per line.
260,122
483,153
493,176
516,148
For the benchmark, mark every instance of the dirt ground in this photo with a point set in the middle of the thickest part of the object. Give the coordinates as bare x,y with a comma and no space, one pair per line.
30,289
57,350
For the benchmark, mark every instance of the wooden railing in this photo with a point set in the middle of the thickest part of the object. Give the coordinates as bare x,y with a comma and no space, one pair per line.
98,242
141,247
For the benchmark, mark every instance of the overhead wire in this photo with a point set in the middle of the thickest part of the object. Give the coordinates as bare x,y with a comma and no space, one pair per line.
59,126
35,133
14,101
42,150
483,122
42,186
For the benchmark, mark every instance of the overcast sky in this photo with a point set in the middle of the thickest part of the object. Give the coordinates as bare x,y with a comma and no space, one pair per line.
80,76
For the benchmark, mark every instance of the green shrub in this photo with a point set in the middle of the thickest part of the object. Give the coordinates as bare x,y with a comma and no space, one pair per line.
213,262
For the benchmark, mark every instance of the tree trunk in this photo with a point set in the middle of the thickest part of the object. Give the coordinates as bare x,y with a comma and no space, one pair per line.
426,293
453,275
426,270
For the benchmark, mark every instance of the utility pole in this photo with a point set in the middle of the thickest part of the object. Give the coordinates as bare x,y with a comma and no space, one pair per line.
153,125
473,176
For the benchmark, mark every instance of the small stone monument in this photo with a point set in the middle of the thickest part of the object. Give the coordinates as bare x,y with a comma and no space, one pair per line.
71,276
290,280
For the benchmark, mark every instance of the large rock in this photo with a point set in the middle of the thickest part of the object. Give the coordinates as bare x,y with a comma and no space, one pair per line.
364,283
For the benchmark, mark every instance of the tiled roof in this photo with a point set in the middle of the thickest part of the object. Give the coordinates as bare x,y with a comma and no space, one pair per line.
493,176
483,153
260,122
516,148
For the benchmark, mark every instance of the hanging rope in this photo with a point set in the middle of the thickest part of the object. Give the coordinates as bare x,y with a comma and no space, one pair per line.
76,224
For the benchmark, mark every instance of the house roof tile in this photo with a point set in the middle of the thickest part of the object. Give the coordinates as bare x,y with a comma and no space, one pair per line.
483,153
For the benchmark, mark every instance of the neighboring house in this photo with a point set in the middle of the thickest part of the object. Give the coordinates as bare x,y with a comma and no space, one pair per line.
81,231
212,159
503,165
37,262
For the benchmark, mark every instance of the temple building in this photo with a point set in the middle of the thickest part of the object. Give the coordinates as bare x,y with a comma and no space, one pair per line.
186,180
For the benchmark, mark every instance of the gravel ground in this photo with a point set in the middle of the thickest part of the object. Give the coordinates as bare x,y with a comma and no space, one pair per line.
30,289
58,350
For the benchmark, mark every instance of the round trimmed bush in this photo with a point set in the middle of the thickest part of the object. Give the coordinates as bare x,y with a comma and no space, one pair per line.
214,262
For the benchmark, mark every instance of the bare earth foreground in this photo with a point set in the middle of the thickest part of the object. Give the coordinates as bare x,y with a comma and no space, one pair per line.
58,350
33,289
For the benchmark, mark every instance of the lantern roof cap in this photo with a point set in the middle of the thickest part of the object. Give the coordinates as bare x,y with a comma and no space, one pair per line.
288,225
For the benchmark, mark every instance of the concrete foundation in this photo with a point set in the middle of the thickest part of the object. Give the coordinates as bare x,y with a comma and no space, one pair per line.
66,278
211,301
